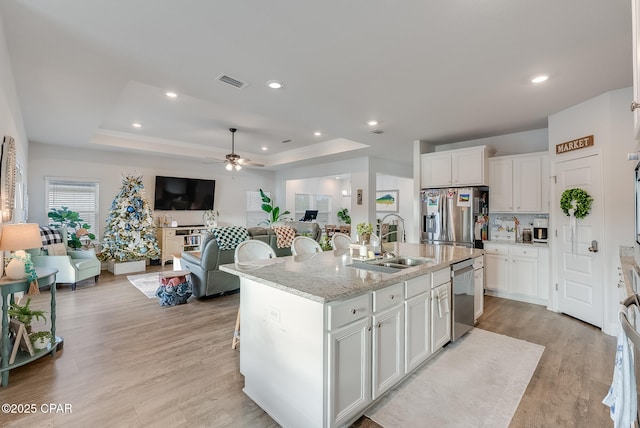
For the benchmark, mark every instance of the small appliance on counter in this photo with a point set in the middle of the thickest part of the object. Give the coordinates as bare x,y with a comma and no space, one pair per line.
540,229
526,235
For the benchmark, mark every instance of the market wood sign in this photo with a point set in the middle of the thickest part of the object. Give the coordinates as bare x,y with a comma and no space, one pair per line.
578,144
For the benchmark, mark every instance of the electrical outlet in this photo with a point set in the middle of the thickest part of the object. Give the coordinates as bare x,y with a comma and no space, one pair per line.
359,197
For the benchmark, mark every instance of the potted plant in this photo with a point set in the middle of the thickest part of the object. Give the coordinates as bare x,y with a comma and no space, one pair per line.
41,339
364,231
25,314
325,243
273,212
343,215
77,229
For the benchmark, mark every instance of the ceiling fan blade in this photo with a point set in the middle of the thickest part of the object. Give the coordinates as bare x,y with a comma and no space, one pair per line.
248,162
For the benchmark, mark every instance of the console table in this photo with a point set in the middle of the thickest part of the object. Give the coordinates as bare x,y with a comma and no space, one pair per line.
8,287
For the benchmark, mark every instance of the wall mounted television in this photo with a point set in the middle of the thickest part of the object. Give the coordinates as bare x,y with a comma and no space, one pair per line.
176,193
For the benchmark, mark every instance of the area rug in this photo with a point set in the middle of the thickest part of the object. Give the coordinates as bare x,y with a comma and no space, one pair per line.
146,282
477,381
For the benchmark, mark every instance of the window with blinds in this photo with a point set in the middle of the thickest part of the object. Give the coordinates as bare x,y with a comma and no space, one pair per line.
322,203
77,195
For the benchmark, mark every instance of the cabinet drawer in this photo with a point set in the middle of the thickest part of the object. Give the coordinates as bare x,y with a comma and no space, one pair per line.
342,313
502,250
440,277
524,252
418,285
388,297
170,233
478,263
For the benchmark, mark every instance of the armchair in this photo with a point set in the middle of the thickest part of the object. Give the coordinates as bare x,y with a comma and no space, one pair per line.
73,265
207,279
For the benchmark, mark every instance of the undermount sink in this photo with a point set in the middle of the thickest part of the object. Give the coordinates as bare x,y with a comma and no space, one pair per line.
402,262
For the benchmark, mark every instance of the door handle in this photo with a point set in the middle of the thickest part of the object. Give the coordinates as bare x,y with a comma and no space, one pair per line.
594,246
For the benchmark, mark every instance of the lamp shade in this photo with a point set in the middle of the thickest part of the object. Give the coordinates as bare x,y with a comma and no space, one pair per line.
21,236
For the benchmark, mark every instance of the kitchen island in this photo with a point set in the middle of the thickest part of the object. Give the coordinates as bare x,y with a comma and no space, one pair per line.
323,336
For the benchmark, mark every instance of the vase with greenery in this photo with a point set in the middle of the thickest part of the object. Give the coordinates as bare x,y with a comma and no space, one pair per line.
343,215
364,231
25,314
40,339
325,243
77,229
272,211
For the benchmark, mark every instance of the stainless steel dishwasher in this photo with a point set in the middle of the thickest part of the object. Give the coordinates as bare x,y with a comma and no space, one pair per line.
463,301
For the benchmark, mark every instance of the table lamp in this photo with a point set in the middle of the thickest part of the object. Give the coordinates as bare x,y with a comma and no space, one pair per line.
19,237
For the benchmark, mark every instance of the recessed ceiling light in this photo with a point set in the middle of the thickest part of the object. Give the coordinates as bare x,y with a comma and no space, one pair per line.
275,84
171,94
136,125
372,123
264,148
317,133
539,79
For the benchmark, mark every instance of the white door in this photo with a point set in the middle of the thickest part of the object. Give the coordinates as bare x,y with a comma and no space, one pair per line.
580,271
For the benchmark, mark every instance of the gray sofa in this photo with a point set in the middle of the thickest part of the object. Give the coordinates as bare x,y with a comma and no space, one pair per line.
268,236
208,280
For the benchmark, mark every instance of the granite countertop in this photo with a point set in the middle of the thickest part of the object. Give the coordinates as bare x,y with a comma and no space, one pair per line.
523,244
628,264
325,277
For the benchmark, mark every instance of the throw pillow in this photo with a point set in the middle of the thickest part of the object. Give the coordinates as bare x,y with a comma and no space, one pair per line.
56,249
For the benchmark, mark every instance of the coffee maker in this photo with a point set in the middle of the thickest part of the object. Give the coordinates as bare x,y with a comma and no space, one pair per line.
540,229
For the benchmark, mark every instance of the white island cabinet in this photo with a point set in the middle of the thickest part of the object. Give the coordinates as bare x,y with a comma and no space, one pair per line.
322,340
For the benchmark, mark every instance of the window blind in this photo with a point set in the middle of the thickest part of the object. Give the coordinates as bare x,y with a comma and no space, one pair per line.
79,196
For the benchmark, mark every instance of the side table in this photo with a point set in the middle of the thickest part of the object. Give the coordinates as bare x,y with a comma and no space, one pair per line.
8,287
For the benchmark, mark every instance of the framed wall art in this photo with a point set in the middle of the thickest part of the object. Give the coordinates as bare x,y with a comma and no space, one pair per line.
387,201
8,178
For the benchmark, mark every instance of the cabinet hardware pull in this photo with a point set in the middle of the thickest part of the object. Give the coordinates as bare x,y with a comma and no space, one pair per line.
379,325
369,328
353,311
392,297
634,105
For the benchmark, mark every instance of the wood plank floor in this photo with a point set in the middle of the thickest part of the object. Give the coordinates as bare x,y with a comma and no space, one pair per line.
128,362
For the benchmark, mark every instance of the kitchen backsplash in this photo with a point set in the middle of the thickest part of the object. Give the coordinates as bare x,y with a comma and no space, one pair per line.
502,226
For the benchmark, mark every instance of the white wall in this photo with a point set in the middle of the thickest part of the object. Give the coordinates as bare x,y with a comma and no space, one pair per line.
108,168
11,118
508,144
607,117
406,198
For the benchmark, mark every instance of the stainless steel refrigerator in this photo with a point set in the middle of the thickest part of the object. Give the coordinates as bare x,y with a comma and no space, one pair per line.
449,216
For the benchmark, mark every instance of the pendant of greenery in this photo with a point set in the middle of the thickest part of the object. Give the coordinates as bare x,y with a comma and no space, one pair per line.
583,206
76,227
273,212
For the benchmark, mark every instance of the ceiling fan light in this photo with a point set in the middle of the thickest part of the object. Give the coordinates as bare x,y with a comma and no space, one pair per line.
229,166
237,167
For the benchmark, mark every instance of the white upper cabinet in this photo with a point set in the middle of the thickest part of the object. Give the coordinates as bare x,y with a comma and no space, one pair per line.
635,106
455,168
519,184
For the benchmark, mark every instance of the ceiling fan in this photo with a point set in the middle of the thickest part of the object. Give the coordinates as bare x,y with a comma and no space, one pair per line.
233,160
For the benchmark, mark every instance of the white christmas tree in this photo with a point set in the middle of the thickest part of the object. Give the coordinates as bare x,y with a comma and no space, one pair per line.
130,233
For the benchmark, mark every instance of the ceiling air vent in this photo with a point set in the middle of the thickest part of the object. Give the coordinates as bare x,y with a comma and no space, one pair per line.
233,82
378,131
286,141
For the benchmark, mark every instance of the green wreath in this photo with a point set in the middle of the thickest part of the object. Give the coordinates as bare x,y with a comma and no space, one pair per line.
581,197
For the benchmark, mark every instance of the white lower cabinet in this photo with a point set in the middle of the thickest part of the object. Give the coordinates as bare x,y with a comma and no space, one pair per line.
496,266
388,338
478,284
440,308
417,313
349,359
519,272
